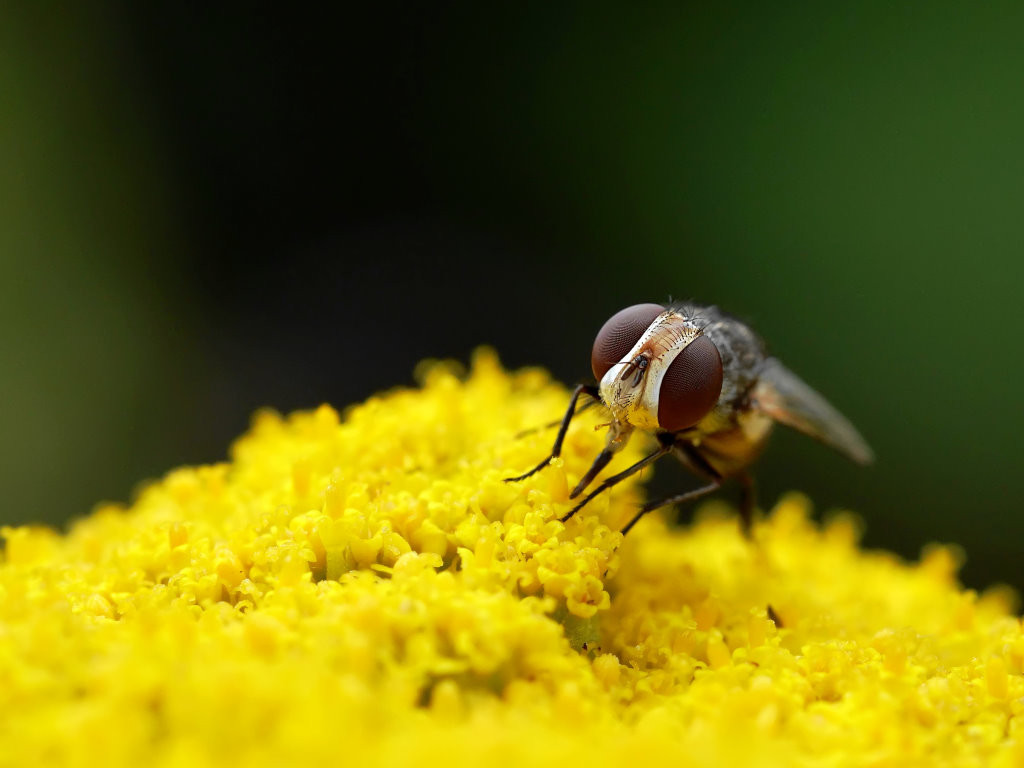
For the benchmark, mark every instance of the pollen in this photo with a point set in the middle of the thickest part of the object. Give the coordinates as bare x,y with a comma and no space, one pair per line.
364,588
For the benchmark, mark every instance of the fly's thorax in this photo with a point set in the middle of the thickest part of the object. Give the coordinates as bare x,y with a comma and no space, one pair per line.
630,389
732,449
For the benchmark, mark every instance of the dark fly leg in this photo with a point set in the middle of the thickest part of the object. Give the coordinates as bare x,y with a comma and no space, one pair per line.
696,493
605,456
692,459
748,500
582,389
610,482
556,422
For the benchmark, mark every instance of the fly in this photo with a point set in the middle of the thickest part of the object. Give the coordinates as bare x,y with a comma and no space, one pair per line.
702,383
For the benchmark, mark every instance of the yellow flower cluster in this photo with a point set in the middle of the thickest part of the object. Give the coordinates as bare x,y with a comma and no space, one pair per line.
368,591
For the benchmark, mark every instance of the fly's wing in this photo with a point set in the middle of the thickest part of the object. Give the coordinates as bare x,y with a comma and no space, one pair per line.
782,395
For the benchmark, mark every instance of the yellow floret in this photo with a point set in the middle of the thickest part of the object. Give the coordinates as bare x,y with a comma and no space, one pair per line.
367,590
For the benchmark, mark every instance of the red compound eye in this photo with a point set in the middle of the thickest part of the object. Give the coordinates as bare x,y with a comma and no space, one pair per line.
691,385
620,334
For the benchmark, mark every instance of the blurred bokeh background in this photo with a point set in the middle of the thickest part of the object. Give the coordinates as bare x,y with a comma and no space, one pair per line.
205,210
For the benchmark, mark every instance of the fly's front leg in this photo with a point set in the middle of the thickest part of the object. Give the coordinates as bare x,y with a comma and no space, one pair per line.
582,389
616,479
556,422
696,463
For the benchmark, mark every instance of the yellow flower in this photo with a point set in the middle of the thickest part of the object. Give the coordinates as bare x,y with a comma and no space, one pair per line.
367,590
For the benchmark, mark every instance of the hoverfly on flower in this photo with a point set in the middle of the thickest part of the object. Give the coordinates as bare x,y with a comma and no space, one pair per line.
702,383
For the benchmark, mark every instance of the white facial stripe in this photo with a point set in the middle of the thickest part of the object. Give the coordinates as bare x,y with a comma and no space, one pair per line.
666,337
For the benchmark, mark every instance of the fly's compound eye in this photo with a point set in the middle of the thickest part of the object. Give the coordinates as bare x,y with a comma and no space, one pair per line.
620,334
691,385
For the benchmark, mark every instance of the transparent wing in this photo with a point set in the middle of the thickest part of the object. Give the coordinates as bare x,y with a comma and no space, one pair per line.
784,396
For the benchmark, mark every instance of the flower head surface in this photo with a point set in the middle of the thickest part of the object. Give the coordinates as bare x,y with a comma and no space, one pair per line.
367,590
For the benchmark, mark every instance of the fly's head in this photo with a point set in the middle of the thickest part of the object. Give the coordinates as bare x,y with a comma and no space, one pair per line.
656,369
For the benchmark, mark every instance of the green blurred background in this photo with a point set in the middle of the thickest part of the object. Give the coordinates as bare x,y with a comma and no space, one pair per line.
204,211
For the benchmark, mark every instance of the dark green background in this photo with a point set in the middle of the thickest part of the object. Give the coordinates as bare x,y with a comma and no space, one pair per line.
205,211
